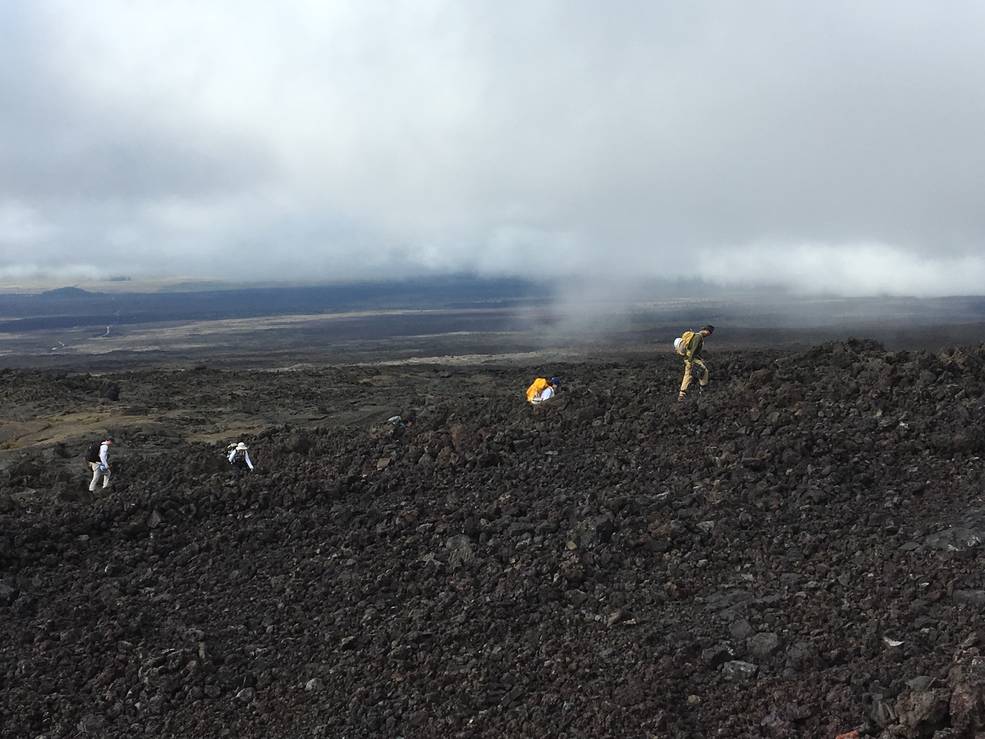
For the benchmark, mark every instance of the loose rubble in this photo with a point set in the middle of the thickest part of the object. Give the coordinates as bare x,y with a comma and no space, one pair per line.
793,553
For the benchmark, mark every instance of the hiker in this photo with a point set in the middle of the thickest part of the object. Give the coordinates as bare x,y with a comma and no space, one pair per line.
541,390
239,457
98,458
689,346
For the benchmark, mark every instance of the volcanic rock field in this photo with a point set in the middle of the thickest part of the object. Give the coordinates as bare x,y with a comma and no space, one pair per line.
795,552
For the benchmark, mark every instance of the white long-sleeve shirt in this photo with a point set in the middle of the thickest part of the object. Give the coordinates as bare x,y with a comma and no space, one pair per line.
246,456
104,454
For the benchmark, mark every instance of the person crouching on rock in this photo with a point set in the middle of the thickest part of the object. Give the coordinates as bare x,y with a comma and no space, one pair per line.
98,459
542,390
239,457
689,346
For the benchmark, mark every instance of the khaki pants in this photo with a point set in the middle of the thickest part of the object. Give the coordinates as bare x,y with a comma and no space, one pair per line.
96,475
688,372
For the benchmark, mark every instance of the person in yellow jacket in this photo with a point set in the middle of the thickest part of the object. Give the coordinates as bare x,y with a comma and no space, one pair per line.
542,389
689,346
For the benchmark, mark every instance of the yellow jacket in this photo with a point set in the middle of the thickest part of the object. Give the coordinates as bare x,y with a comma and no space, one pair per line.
536,388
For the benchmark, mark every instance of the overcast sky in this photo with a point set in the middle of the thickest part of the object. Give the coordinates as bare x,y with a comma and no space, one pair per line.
835,146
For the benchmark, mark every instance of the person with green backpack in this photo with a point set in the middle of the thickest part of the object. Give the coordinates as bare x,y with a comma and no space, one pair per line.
689,346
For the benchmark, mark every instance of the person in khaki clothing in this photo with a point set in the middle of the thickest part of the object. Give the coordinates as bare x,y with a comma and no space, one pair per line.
689,346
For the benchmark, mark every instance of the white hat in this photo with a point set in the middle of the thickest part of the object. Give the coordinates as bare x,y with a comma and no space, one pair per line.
241,447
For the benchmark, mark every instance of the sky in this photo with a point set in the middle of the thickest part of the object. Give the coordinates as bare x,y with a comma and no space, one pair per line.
831,147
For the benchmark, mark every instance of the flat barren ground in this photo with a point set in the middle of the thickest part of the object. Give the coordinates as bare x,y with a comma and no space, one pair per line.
91,334
795,552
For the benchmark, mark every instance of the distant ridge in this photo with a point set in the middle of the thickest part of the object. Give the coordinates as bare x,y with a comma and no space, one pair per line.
73,307
62,293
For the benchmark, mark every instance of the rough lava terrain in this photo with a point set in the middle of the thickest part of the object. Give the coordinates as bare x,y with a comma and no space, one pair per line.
796,552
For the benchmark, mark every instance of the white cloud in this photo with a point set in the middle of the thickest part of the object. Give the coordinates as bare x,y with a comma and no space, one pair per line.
21,226
852,270
361,139
28,272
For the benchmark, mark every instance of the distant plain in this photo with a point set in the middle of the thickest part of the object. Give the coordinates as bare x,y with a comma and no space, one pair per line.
434,322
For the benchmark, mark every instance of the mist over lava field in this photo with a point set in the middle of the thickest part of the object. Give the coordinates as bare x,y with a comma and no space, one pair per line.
119,326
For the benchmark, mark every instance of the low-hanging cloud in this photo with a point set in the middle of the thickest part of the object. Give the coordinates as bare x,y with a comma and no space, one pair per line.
853,270
823,147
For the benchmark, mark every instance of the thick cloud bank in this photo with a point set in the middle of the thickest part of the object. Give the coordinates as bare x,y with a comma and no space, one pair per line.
825,146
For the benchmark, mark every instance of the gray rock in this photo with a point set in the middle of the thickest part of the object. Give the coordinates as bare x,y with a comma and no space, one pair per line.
246,695
922,711
763,645
797,712
91,724
7,593
740,630
593,531
799,655
299,443
969,533
460,551
717,655
775,725
615,617
739,671
969,597
966,681
882,714
920,682
791,579
727,599
23,606
314,685
347,642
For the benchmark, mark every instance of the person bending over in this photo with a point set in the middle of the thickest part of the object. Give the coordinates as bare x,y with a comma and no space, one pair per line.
690,346
542,390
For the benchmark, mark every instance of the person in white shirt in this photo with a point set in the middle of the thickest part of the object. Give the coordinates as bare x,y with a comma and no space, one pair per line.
100,469
239,456
542,389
